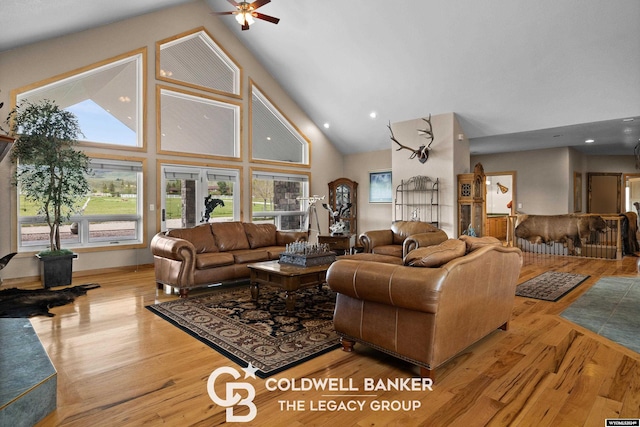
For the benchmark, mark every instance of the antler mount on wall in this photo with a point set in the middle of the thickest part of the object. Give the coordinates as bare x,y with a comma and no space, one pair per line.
422,152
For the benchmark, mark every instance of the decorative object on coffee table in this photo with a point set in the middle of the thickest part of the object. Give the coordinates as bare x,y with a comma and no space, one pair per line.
263,333
550,285
306,254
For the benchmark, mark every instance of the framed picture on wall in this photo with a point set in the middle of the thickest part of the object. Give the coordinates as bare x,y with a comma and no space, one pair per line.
380,190
577,192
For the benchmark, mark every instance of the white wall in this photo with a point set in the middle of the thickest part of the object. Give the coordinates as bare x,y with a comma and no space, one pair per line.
371,216
448,158
40,61
545,177
542,178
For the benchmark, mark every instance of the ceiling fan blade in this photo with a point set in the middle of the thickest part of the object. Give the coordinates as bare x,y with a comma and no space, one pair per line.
233,2
223,13
265,17
259,3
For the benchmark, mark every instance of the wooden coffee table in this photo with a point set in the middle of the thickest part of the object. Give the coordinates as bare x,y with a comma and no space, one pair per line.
288,277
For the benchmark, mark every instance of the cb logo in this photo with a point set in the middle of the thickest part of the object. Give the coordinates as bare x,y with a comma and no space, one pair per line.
232,398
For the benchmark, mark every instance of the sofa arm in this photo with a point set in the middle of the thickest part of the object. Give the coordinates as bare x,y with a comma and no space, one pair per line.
421,240
395,285
284,237
173,248
371,239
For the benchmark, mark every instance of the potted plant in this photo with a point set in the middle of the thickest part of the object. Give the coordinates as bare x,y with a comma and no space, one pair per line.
52,174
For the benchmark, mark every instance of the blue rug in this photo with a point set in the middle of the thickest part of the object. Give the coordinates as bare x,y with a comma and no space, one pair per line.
610,308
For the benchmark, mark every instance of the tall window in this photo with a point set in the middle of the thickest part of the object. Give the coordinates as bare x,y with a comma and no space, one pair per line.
193,195
280,198
107,99
273,137
111,215
196,60
196,125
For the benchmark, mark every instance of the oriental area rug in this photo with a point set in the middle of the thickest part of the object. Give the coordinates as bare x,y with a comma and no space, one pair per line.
610,308
261,333
550,285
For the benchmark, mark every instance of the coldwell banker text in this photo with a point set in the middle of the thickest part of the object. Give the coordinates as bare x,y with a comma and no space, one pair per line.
346,385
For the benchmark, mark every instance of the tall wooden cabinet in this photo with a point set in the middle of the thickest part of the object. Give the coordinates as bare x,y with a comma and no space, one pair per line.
343,191
472,196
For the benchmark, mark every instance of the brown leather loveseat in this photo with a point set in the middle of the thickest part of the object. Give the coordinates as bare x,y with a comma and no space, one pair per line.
443,299
401,238
218,252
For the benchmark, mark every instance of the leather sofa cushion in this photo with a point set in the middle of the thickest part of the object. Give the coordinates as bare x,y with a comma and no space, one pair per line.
437,255
391,250
200,236
403,229
250,255
260,235
212,260
474,243
387,259
230,235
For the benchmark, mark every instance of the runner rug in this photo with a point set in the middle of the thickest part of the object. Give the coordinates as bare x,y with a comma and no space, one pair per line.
610,308
550,286
261,333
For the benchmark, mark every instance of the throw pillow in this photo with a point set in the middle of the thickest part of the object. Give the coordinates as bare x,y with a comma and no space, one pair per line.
437,255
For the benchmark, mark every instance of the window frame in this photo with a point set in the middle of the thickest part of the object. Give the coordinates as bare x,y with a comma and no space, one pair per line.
161,164
141,81
286,122
84,243
296,175
238,118
221,53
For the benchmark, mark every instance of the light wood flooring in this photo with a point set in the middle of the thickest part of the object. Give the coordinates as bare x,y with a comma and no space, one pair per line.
121,365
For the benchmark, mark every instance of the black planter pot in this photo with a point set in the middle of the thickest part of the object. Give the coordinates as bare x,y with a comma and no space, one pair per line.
56,270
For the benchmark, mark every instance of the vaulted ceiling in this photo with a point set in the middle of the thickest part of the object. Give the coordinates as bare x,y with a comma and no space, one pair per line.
519,74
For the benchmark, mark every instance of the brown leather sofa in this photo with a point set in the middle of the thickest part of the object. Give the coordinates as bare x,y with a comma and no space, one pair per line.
443,299
218,252
401,238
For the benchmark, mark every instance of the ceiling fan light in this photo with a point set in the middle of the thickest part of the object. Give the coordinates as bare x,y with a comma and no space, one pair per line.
245,16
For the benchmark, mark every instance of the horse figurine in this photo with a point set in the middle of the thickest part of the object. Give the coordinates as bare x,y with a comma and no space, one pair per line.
209,205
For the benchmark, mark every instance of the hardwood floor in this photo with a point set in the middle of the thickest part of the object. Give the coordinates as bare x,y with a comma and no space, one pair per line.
121,365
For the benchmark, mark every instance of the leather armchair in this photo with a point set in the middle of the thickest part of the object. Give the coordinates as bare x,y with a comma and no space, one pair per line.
425,315
401,238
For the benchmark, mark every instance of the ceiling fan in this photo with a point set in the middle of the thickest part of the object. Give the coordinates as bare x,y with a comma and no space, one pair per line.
245,12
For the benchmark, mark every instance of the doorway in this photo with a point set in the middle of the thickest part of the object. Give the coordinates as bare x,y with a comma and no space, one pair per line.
500,202
186,191
631,192
604,193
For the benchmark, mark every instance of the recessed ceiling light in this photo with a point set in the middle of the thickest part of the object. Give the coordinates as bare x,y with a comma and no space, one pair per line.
373,114
589,141
326,125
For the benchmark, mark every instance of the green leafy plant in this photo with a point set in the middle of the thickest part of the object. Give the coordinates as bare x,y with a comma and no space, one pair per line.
50,172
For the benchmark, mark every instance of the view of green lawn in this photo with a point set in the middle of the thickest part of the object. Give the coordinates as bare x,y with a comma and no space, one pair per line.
98,205
107,205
